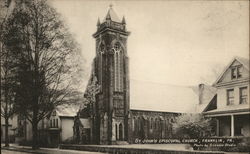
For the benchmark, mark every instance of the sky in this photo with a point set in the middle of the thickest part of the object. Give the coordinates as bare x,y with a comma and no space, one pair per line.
171,42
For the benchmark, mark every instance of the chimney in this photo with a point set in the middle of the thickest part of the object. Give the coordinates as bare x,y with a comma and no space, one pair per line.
201,92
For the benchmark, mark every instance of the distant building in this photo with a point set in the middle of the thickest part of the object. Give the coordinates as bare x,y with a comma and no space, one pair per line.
61,124
231,107
12,128
111,118
52,130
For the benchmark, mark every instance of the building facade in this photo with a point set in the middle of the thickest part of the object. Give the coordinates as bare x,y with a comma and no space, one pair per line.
111,109
108,119
53,130
146,124
231,106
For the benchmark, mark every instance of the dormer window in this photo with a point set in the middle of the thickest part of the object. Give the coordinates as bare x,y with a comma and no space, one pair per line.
240,70
236,72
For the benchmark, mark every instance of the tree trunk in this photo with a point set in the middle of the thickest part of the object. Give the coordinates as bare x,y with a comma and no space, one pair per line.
34,129
6,132
34,136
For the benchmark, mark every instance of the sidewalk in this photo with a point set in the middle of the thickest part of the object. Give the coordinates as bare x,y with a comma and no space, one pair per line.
26,149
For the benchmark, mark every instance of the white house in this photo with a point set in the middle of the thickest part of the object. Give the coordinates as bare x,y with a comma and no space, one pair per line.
231,107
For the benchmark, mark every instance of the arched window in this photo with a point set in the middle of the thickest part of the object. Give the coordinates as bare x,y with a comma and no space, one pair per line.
116,131
151,123
120,132
139,124
156,121
56,123
118,67
116,71
121,71
148,124
133,124
100,62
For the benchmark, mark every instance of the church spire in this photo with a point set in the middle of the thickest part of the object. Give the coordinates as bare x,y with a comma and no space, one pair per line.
113,22
108,17
123,20
98,22
111,15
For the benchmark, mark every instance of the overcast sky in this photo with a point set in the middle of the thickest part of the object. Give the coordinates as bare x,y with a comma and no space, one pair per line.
178,43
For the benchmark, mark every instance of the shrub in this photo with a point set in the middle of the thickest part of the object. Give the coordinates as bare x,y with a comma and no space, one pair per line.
193,126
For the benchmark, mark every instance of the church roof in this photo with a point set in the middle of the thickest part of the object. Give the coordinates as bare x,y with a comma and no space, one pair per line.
112,15
162,97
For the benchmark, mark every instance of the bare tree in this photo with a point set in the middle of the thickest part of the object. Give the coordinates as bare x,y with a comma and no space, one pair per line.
46,58
7,82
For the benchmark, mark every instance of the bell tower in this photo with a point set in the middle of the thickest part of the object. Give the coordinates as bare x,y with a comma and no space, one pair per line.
111,109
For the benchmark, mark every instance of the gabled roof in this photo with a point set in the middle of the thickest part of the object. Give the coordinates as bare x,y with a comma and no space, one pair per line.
67,110
243,61
211,105
162,97
112,16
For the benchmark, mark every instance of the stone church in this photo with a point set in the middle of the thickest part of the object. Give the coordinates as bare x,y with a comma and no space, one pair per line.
108,119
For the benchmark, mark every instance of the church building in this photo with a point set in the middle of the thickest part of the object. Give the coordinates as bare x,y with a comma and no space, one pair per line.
108,118
111,109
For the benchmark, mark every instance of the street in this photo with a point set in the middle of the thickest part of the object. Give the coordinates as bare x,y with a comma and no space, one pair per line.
46,151
11,152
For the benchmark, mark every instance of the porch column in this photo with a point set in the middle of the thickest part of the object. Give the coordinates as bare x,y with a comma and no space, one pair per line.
232,125
217,127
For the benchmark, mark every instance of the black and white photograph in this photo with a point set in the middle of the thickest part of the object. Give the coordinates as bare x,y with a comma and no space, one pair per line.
124,76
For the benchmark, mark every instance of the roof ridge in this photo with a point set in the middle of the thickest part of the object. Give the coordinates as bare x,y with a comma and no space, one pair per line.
160,83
